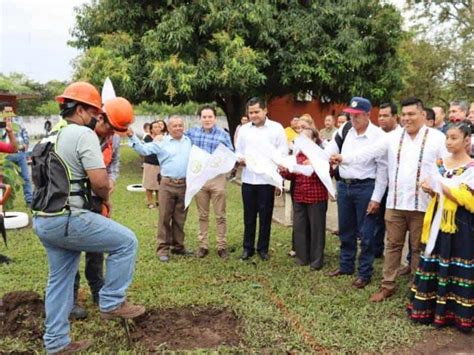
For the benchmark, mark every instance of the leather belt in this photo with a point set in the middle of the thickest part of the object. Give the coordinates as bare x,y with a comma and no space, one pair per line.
174,181
356,181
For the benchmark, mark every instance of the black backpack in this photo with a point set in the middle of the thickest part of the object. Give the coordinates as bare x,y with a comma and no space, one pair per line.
52,180
340,141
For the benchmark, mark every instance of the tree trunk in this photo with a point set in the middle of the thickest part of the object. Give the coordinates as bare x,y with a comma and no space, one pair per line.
234,108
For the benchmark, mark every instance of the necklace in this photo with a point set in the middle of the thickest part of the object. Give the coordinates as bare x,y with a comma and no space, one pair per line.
418,169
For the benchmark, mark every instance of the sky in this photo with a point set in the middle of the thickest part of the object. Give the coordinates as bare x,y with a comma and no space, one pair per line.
34,35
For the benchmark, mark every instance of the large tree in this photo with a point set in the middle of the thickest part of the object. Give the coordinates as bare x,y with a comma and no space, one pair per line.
226,51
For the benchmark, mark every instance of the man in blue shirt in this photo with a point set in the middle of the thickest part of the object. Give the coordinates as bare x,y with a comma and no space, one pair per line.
208,137
173,153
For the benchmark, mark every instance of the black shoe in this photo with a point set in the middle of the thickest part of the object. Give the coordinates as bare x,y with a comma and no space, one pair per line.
315,268
264,256
184,252
95,298
246,255
78,312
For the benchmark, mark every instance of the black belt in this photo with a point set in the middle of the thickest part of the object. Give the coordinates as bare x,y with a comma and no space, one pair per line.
356,181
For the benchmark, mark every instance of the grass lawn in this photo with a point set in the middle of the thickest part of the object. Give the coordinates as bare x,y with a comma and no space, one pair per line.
282,307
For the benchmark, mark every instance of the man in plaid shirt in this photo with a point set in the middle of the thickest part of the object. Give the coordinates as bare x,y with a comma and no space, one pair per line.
208,137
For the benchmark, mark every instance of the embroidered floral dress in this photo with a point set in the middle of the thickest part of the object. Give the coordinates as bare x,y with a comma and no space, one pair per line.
443,290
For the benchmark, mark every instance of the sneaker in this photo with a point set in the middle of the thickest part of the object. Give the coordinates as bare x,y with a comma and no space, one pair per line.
125,311
73,347
78,312
202,252
223,253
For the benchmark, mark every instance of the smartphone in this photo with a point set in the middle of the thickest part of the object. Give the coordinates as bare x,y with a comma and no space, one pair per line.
3,124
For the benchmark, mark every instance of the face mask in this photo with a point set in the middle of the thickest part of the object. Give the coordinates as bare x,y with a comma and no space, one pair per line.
92,123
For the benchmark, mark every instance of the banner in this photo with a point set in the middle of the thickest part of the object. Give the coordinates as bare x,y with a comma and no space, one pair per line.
262,159
319,161
203,167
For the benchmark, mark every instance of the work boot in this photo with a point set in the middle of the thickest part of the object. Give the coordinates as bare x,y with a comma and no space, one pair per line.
222,253
125,311
74,347
78,312
382,295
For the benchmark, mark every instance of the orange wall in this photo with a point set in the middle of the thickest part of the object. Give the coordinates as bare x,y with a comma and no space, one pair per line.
283,108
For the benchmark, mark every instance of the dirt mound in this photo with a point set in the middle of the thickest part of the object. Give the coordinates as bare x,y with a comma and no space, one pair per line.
187,328
21,315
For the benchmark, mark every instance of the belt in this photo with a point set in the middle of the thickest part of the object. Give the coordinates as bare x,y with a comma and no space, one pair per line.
174,181
356,181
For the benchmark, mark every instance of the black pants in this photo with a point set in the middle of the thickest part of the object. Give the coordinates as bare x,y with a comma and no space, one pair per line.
94,272
258,200
379,229
309,225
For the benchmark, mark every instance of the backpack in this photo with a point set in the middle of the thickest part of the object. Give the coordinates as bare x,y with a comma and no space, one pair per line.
52,180
340,141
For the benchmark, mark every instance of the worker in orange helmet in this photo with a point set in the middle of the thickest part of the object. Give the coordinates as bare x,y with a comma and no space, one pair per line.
76,228
116,117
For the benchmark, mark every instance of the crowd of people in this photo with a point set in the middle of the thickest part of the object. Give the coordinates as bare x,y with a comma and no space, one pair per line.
412,176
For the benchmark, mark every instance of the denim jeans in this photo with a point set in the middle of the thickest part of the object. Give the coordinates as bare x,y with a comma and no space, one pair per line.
352,202
89,232
20,160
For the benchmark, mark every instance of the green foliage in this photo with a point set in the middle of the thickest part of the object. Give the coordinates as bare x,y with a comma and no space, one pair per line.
10,177
164,109
445,29
227,51
44,94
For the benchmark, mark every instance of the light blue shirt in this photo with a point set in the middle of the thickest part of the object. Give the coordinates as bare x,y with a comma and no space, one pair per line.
173,154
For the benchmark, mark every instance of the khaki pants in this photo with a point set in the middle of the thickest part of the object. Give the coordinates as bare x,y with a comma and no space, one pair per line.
172,216
213,191
397,223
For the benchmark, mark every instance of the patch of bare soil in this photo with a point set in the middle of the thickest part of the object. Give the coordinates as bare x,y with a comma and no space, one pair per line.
441,341
21,315
187,328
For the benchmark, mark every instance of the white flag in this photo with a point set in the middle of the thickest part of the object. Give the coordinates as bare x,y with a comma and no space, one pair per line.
319,161
108,91
262,158
203,167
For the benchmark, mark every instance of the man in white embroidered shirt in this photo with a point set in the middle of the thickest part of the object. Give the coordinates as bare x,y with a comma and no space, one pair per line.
360,189
258,189
412,153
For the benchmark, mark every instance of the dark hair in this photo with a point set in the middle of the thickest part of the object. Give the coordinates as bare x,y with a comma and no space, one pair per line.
409,101
147,124
256,100
165,129
393,107
68,107
430,114
466,127
345,114
207,107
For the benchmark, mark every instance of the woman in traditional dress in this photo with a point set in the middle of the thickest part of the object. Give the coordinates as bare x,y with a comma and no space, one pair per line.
443,289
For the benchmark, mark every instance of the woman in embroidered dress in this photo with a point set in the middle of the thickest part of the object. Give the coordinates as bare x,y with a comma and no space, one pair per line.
443,290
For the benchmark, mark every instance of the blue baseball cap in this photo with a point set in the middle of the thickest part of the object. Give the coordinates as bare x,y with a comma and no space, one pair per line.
358,105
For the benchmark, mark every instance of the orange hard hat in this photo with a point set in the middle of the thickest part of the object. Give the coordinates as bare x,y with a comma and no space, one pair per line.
119,112
81,91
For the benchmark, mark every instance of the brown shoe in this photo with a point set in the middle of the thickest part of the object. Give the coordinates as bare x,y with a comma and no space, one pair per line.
202,252
381,295
406,270
223,253
336,273
360,283
74,347
125,311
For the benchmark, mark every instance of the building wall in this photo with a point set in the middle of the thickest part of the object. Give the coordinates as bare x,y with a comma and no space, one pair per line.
284,108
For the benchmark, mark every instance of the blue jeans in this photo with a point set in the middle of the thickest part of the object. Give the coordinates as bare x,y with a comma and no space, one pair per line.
89,232
20,160
352,202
